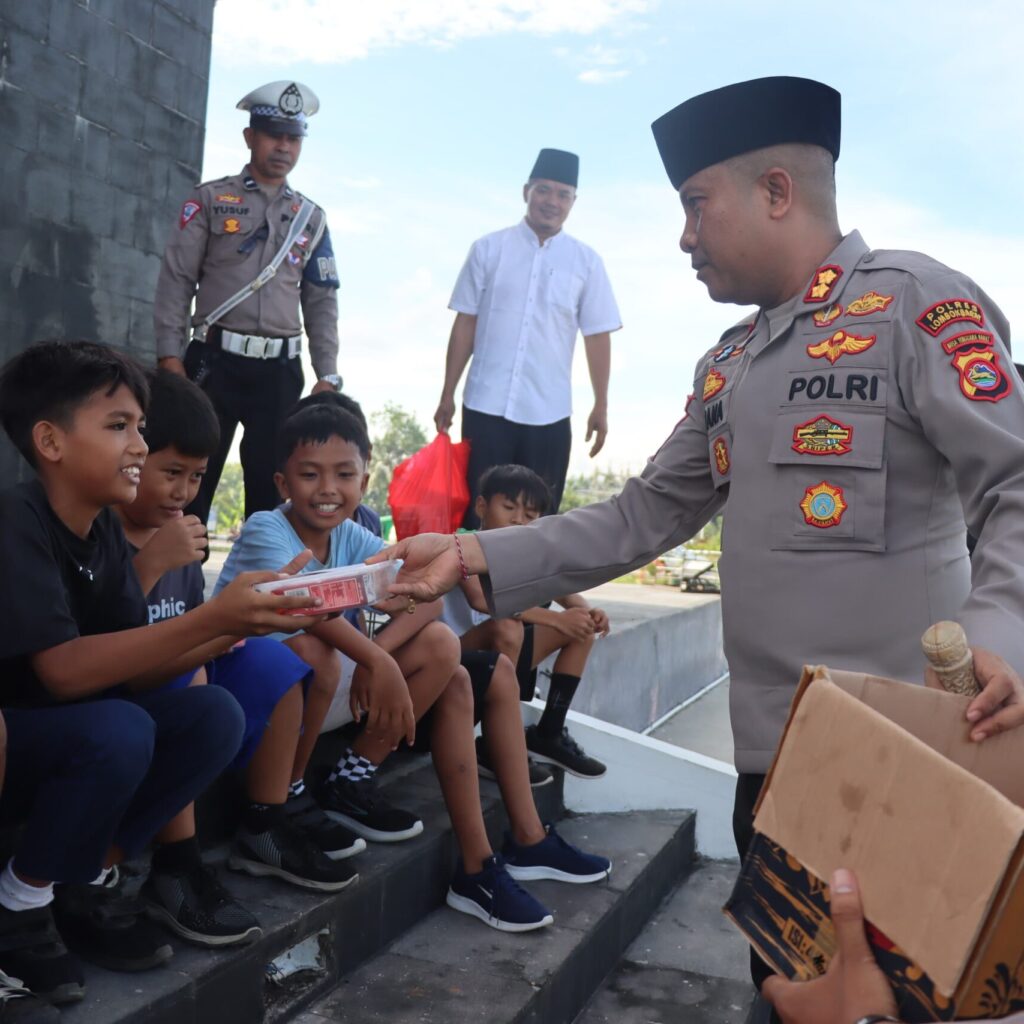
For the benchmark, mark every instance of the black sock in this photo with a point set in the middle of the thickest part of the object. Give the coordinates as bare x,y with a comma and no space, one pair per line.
176,857
560,694
259,818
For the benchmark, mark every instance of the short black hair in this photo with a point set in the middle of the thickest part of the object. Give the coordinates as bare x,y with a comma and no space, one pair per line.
317,423
337,398
513,481
53,378
181,415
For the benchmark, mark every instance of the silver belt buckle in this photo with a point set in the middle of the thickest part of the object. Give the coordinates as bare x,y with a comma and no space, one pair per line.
256,347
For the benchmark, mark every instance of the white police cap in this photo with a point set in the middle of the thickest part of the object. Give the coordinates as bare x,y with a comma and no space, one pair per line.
280,107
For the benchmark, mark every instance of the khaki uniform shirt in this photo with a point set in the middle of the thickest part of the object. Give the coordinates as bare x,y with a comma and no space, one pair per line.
227,232
852,430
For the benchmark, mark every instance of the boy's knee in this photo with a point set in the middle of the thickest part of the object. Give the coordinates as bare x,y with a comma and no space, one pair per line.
508,636
443,645
219,721
117,745
458,694
504,686
324,660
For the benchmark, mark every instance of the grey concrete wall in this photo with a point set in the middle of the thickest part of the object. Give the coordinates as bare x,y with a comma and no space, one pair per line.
651,662
103,106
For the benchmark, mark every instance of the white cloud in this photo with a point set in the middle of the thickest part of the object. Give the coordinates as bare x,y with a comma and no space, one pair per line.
328,31
600,76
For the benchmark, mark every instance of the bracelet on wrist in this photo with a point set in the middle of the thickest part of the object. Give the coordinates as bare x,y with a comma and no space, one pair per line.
462,561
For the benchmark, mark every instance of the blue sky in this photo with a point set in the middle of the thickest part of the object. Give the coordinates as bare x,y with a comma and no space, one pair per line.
432,112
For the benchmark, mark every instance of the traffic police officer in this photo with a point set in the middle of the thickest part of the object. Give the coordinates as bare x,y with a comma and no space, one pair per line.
251,251
847,428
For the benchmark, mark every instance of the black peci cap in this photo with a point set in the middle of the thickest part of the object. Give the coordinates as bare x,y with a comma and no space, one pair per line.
557,165
724,123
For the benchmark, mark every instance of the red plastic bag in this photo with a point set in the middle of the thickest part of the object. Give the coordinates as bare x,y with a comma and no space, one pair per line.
428,491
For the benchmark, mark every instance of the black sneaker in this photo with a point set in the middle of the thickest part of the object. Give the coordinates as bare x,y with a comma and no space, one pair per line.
107,928
308,817
19,1006
562,750
31,950
358,806
539,775
194,905
285,852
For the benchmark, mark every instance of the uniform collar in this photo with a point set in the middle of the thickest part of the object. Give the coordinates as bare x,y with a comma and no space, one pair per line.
530,236
250,184
829,280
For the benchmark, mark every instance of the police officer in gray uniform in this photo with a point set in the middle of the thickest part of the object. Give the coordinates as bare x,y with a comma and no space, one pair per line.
846,428
251,251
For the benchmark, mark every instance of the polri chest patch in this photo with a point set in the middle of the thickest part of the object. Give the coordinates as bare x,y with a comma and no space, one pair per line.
823,505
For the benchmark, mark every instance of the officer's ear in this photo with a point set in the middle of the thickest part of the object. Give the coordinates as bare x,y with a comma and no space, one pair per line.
777,183
247,134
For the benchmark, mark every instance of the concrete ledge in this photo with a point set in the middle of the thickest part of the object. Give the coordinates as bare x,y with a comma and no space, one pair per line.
647,774
663,649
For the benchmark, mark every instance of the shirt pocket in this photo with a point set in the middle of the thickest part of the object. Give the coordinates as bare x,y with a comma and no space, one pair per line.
829,476
228,234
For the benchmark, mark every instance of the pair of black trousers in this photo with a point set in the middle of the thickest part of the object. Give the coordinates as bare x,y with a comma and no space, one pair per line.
748,789
256,393
496,441
86,776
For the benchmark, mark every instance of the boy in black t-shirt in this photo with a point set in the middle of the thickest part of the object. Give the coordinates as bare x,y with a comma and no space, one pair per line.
290,838
100,760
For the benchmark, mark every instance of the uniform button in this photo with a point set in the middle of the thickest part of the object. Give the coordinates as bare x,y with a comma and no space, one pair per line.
869,258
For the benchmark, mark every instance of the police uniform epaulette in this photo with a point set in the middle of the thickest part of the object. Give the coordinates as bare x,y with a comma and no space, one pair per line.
921,267
213,181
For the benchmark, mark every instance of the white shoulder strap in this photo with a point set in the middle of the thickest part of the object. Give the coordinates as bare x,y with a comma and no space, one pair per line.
267,273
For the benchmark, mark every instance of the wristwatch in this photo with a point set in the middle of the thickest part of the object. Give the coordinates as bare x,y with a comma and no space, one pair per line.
334,379
877,1018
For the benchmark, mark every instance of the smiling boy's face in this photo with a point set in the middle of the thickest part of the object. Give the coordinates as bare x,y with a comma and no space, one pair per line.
324,483
170,482
101,451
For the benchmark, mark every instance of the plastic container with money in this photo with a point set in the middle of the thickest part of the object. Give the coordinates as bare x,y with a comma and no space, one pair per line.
353,586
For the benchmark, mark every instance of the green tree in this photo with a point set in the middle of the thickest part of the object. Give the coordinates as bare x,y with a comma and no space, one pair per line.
229,501
396,435
585,490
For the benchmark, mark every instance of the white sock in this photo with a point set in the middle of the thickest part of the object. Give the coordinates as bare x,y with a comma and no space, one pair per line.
297,788
18,895
101,878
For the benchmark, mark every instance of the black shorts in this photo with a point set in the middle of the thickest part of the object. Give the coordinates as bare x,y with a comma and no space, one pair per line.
480,665
525,672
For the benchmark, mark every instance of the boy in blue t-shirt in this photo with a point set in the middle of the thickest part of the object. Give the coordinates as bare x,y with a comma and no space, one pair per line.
289,839
102,759
411,666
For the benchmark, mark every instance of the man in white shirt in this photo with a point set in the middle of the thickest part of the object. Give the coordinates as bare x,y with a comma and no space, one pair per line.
521,297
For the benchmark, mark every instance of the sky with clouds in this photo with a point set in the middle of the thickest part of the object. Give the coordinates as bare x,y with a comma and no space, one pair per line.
432,112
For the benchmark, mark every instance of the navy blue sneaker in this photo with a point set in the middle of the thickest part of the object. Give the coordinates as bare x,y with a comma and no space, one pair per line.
554,858
494,897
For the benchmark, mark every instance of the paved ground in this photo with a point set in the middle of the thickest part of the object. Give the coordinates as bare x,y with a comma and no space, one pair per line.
688,964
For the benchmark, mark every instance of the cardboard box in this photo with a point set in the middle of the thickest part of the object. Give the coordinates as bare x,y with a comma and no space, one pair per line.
882,778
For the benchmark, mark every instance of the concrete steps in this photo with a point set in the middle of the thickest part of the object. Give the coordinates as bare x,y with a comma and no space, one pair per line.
689,965
451,968
399,885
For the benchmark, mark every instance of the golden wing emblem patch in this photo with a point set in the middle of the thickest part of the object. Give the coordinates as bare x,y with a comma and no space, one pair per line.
840,344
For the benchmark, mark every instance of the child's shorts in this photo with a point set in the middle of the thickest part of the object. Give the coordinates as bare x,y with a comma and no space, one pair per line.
257,674
525,672
480,665
339,713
